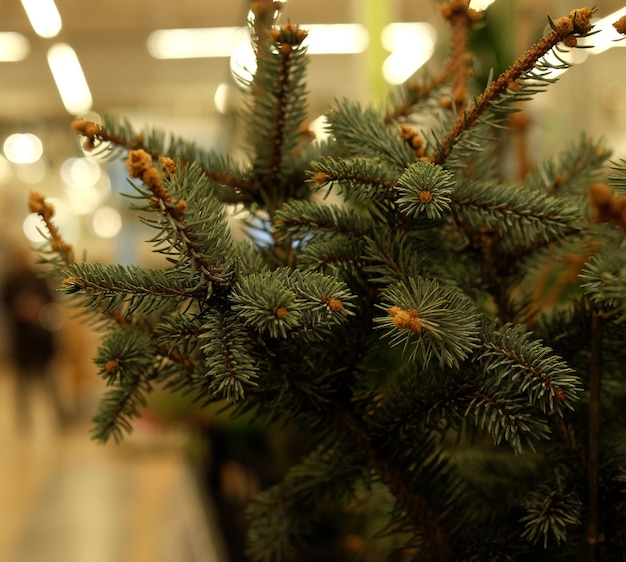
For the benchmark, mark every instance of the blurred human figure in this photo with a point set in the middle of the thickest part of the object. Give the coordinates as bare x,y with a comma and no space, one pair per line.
26,298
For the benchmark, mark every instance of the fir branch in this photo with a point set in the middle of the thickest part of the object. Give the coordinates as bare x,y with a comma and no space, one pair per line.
506,418
305,219
125,360
128,289
566,29
425,188
572,170
437,323
277,516
57,245
518,362
117,134
283,303
402,101
339,255
521,215
229,366
198,235
550,511
407,486
461,18
360,178
279,104
604,284
361,133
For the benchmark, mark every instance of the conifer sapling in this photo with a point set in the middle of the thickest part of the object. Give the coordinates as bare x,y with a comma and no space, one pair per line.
448,341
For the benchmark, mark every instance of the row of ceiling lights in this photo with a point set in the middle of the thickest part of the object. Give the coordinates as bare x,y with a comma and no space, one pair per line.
410,45
66,70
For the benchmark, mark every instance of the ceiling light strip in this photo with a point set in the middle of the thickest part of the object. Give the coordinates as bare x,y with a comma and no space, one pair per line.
69,78
215,42
43,16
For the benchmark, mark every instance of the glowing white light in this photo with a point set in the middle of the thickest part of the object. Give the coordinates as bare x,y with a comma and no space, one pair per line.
607,36
13,46
69,78
107,222
80,172
480,4
319,126
572,57
33,226
213,42
23,148
411,45
243,63
336,39
43,16
195,43
221,98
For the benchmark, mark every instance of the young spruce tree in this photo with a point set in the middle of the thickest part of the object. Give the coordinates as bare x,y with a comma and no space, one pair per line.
450,344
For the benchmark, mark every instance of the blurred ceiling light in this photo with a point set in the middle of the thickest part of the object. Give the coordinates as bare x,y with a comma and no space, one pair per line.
80,172
214,42
33,228
319,126
243,64
69,78
222,98
607,36
106,222
480,4
83,201
23,148
554,61
13,46
411,45
336,39
195,43
43,16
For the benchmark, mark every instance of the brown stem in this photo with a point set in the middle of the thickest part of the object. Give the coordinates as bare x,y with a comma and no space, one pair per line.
427,521
566,29
497,88
460,23
594,535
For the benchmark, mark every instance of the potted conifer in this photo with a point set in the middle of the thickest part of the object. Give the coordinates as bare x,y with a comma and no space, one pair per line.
449,344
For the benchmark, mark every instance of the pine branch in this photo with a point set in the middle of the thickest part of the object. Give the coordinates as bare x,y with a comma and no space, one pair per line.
520,216
126,361
117,135
129,289
566,29
191,222
550,511
279,516
360,178
517,362
361,132
279,105
436,324
304,219
229,365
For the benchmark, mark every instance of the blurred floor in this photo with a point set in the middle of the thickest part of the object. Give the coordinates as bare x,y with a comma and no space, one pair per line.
64,498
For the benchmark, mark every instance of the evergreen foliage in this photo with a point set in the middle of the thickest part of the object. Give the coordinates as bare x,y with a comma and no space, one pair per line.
448,342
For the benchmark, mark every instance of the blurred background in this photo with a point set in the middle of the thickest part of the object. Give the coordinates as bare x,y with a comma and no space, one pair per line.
177,66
